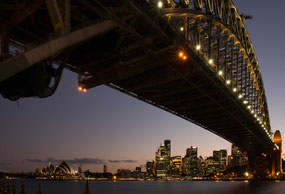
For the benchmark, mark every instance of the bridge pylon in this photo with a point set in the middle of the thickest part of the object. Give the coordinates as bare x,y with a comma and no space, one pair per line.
267,165
277,156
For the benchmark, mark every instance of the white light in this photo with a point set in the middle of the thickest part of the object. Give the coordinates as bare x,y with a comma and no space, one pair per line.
262,125
228,82
240,96
181,29
211,61
220,73
198,47
252,111
255,115
245,102
159,4
248,107
235,90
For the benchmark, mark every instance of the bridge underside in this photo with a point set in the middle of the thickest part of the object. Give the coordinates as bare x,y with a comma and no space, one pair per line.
186,89
139,58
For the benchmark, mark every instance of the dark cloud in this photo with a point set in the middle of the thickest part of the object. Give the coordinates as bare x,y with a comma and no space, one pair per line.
86,161
80,161
36,160
72,161
129,161
114,161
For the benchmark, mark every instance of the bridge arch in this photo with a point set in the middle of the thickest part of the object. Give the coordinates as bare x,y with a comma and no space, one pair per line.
219,30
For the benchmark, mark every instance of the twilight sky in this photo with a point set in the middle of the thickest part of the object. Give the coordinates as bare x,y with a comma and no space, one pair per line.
106,126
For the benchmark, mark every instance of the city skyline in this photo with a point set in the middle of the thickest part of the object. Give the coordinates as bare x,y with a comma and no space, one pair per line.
106,124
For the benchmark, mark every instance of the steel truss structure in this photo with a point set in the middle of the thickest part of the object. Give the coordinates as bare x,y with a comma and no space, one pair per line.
218,28
133,46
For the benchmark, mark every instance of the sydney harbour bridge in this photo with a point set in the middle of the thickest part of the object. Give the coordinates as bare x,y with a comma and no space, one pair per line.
192,58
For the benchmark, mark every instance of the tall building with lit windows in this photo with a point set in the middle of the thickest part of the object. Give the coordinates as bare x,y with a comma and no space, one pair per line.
190,162
150,168
162,158
223,159
220,156
238,157
176,165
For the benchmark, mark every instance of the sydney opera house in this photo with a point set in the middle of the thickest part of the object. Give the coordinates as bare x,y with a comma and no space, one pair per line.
61,171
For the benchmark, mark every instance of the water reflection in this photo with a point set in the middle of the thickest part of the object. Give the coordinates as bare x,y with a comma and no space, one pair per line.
150,187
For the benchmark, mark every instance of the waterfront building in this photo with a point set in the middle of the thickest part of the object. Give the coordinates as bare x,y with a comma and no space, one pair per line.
190,162
138,169
223,159
105,168
163,160
216,155
150,168
201,166
238,157
61,171
212,166
176,165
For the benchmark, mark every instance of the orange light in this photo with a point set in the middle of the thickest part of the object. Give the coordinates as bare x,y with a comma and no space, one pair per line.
181,54
84,90
79,88
185,57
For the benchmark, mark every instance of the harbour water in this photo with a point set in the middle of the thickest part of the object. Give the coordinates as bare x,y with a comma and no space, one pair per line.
154,187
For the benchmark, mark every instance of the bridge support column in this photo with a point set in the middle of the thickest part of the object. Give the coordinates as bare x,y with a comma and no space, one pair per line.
277,154
259,165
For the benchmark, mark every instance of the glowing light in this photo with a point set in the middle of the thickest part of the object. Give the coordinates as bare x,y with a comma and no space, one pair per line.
181,54
255,115
248,107
160,4
80,88
114,178
257,119
240,96
84,90
235,90
246,174
245,102
228,82
211,61
252,111
198,47
220,73
181,29
185,57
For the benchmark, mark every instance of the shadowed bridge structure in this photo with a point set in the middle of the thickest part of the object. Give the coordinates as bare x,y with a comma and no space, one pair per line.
191,58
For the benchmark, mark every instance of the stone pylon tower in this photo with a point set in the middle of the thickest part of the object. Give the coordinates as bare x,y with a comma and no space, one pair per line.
278,153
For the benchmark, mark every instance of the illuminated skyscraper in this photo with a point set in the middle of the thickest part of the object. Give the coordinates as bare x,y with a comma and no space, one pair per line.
220,157
176,165
190,162
223,159
150,168
238,157
163,159
216,155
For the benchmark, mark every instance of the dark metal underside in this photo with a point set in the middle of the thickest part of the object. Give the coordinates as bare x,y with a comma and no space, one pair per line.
140,58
